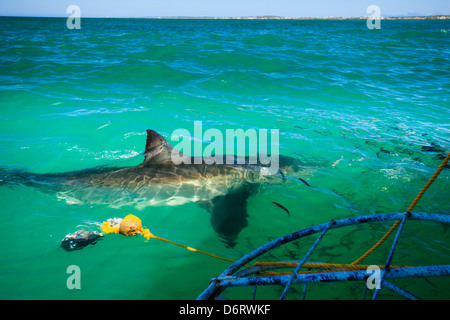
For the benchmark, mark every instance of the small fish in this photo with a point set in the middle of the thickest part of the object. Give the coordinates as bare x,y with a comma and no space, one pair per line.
383,150
101,127
304,182
282,207
337,161
434,147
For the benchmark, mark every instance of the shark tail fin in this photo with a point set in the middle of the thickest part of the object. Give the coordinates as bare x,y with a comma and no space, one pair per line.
14,177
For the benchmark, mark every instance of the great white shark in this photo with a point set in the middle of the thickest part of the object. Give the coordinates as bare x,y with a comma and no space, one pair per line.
222,189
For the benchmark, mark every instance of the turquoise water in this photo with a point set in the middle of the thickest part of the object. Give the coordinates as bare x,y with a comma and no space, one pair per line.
366,111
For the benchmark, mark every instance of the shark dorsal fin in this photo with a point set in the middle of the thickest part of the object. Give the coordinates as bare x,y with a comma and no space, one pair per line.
157,149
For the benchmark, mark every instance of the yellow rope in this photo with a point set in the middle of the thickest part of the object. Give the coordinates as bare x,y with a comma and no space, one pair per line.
411,207
148,235
271,273
316,265
326,267
365,255
435,175
134,224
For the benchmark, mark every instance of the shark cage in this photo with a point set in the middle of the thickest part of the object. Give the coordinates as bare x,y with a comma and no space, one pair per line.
240,274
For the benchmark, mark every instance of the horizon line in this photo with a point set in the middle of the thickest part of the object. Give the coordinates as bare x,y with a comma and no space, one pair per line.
247,17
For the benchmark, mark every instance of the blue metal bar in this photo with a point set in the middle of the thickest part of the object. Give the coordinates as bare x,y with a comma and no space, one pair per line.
208,293
364,292
399,291
304,291
338,223
385,271
254,293
398,273
211,289
298,267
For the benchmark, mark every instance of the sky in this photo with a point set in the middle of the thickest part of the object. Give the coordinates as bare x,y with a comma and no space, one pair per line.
222,8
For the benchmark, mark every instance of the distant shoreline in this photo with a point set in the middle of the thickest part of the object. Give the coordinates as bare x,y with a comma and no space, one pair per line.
434,17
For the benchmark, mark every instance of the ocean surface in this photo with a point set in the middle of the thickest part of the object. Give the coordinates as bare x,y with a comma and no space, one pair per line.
365,111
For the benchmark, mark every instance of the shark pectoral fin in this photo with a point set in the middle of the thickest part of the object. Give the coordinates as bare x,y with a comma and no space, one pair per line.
228,215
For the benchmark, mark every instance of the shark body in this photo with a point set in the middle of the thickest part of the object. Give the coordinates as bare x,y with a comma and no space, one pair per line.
222,189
